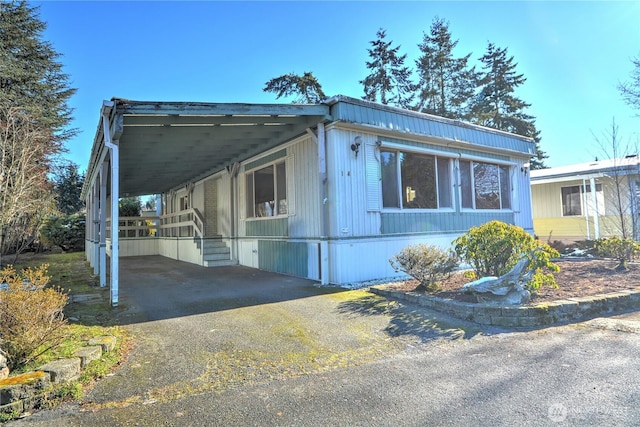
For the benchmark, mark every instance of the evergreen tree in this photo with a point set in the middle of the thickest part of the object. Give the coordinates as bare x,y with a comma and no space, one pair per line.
306,87
496,105
446,83
34,114
68,187
31,75
390,80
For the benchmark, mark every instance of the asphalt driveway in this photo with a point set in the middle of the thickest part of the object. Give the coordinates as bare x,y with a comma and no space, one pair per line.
237,346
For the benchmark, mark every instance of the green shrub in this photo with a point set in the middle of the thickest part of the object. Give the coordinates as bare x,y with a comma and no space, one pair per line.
494,248
622,250
129,206
64,231
31,317
426,263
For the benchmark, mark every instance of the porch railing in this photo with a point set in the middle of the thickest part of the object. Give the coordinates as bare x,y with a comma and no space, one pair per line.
187,223
136,226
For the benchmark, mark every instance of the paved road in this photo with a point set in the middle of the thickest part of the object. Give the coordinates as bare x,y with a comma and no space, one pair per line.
251,348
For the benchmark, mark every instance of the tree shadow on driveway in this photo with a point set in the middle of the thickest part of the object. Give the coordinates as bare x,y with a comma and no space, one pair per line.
411,321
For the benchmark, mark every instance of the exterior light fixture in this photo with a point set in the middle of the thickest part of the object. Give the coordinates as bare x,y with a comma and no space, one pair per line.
355,147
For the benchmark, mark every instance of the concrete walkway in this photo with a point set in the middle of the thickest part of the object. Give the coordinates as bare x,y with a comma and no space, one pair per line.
236,346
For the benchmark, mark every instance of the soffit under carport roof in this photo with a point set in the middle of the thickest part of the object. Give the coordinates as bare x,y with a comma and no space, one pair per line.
167,144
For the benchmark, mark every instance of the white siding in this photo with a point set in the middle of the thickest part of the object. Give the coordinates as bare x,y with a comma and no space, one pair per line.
348,186
306,217
375,265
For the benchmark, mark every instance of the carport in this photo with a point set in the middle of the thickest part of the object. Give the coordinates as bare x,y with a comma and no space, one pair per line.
143,148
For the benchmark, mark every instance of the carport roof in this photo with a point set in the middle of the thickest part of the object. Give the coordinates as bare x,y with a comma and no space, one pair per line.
166,144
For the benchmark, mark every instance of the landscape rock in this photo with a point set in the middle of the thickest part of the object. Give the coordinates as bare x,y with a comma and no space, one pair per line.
63,369
508,289
89,354
108,342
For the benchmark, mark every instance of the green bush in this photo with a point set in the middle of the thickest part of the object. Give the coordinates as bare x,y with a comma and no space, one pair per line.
494,248
31,316
64,231
130,206
622,250
426,263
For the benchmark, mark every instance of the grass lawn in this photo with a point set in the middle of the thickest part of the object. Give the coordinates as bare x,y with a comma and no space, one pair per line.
87,318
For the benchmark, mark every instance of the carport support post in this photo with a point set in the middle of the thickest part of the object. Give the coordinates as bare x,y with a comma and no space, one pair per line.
596,214
95,228
103,224
115,194
324,244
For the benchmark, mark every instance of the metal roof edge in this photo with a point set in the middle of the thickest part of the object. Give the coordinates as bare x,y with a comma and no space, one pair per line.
126,106
331,101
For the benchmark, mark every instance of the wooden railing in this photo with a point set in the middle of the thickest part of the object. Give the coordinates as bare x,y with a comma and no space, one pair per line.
187,223
136,226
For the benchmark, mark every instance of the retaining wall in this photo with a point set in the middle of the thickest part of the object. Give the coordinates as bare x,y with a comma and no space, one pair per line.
543,314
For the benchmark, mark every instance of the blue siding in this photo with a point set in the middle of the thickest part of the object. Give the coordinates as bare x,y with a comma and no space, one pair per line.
352,110
268,227
284,257
444,222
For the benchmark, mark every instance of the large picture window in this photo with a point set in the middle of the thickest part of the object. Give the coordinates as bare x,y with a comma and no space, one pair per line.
415,181
266,191
484,185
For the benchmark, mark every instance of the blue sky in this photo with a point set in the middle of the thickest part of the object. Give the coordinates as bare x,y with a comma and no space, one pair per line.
573,54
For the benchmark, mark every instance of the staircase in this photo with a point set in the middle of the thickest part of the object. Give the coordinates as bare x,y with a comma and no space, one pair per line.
215,252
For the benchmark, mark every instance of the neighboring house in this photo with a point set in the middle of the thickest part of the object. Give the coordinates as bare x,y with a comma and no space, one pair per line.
586,201
327,191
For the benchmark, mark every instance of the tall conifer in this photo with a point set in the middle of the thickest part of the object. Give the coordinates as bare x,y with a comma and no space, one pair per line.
389,81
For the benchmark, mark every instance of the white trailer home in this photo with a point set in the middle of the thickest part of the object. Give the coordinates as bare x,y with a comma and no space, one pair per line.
328,191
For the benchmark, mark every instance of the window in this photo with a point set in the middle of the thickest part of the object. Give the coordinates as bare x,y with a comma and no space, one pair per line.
484,185
267,191
415,181
573,200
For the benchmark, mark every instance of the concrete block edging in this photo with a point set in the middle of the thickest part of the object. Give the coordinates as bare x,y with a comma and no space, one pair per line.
526,316
28,391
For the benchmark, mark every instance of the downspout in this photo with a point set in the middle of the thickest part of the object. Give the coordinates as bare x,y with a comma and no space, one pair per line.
115,193
596,214
585,200
324,238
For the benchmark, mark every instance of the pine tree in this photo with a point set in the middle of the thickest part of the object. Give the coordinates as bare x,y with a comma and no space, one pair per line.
68,188
496,105
446,83
390,80
306,88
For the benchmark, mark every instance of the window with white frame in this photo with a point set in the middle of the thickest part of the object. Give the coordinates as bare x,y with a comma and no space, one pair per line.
415,181
573,200
484,185
266,191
